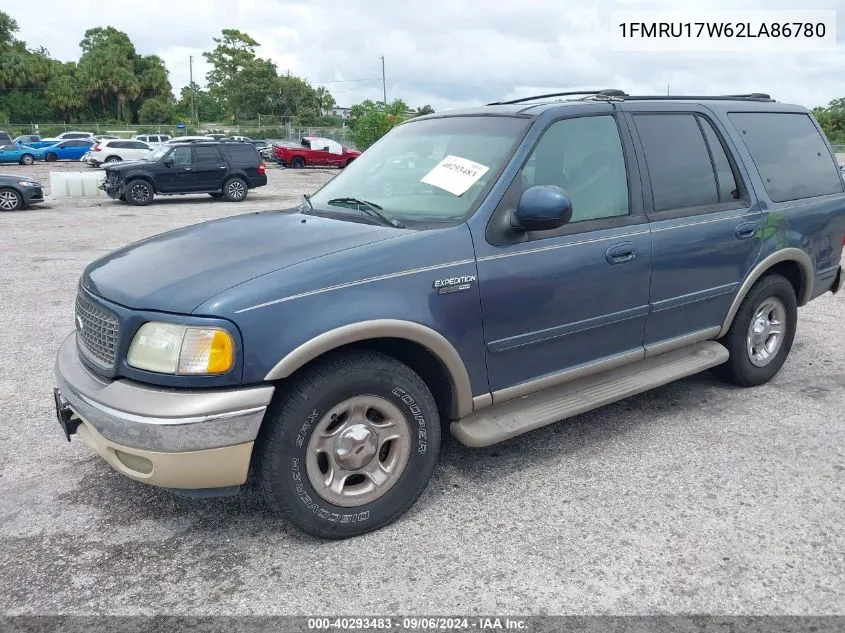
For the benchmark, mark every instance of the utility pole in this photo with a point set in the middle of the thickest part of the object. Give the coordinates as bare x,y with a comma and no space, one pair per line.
191,71
383,83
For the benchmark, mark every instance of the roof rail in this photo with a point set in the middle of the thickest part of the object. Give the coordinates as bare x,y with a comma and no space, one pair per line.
622,96
606,93
754,96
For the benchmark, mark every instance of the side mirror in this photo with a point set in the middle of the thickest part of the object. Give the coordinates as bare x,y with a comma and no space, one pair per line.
167,162
543,208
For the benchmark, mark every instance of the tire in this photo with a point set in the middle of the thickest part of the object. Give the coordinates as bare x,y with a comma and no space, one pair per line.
757,353
135,192
51,157
10,200
216,194
27,159
297,163
235,189
122,197
288,463
348,163
113,159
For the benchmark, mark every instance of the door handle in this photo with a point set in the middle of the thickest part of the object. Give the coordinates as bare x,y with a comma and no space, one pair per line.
186,169
621,253
222,166
746,230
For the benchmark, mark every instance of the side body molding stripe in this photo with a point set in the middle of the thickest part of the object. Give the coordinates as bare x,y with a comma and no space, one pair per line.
435,342
784,255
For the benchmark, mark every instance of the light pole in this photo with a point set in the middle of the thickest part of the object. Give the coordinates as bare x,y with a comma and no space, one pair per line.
191,71
383,83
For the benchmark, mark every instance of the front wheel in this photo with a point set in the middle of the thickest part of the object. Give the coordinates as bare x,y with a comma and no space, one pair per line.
51,157
761,334
10,200
349,445
297,163
139,193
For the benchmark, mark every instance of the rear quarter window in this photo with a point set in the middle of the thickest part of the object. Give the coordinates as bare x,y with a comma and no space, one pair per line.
790,154
240,154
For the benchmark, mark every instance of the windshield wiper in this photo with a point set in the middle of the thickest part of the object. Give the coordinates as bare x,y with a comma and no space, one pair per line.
371,209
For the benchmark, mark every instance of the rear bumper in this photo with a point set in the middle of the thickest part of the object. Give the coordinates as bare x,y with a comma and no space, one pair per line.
173,438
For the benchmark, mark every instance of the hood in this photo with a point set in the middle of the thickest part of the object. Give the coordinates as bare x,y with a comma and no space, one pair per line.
179,270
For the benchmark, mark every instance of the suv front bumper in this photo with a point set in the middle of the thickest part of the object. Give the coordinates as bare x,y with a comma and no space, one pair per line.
188,439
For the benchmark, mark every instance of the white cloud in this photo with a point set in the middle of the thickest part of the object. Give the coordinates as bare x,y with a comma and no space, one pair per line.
448,53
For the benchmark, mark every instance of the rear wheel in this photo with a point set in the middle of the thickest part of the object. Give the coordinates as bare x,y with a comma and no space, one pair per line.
761,334
297,163
27,159
51,157
235,189
139,192
113,159
10,200
349,445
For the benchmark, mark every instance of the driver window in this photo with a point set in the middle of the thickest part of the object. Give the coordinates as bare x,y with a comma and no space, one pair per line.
584,157
181,156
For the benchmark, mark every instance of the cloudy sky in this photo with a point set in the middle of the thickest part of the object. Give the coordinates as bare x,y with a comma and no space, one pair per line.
447,53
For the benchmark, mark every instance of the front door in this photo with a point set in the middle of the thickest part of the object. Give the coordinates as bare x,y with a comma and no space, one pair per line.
178,175
574,298
209,168
705,223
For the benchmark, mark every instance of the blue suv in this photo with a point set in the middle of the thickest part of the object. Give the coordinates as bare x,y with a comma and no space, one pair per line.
485,271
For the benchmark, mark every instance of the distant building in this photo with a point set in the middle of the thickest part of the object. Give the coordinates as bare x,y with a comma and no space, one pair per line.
341,112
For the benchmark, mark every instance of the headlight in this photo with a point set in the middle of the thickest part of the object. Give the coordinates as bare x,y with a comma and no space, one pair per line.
168,348
29,183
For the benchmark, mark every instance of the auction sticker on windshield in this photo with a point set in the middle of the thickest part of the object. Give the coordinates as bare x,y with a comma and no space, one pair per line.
455,174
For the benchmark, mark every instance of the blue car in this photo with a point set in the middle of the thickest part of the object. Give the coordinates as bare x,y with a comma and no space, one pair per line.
536,259
22,154
66,150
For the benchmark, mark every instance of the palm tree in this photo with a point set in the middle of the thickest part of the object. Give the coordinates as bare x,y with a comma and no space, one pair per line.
325,100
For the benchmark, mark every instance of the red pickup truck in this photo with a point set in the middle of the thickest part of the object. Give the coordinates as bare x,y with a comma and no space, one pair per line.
314,151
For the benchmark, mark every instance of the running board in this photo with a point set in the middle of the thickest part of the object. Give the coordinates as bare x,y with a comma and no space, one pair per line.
515,417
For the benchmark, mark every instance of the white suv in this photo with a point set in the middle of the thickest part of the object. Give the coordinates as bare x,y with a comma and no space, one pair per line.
115,150
152,139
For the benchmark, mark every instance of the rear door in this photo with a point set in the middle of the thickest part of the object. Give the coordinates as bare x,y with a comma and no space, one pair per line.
705,221
135,149
209,168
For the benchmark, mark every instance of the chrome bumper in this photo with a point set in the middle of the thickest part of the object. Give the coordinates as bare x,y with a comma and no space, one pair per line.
159,419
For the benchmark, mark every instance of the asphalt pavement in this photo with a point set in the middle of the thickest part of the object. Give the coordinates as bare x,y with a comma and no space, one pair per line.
693,498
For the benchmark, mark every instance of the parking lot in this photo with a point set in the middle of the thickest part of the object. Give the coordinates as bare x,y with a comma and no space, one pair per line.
696,497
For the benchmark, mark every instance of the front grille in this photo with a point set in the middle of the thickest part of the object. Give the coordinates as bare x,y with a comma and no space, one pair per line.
96,332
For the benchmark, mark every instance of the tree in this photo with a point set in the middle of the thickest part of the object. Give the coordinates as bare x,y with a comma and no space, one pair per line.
297,98
372,121
233,53
107,68
426,109
832,120
63,92
325,100
156,110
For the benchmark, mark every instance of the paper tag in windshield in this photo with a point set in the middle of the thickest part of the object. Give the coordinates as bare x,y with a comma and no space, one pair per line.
455,174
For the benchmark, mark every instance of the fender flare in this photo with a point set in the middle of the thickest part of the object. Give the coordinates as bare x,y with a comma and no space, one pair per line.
432,340
784,255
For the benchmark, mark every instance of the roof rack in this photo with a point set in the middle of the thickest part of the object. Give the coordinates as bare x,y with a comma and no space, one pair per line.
612,94
572,93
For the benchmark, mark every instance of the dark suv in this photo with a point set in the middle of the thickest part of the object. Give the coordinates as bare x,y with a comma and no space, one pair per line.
220,169
482,272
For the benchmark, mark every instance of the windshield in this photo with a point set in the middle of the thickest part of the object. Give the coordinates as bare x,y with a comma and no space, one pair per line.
157,153
432,170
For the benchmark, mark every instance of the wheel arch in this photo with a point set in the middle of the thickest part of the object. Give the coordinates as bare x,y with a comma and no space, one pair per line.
423,349
140,176
792,263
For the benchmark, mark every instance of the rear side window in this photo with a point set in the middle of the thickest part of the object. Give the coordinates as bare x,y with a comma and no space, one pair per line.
118,144
791,156
678,161
206,154
136,145
240,154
